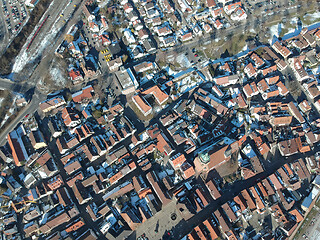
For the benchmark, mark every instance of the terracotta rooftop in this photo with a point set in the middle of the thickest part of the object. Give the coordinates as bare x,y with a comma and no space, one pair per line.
249,201
283,50
213,189
52,103
85,93
275,182
142,104
229,212
212,232
161,195
222,223
187,170
158,94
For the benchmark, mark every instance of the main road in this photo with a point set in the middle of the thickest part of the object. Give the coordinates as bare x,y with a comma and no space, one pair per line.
29,109
59,18
42,64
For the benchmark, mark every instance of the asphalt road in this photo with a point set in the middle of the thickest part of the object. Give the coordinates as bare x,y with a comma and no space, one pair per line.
61,16
47,54
29,109
6,84
41,68
32,106
253,21
182,228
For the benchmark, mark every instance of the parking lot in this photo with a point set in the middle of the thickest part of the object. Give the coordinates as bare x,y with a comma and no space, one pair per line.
15,13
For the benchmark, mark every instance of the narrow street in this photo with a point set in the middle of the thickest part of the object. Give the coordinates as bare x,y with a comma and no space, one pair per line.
157,225
82,210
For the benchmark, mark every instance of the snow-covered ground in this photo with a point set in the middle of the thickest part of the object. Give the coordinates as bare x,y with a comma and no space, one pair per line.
183,60
188,83
294,20
10,112
57,76
316,70
312,17
170,71
244,48
25,56
275,30
239,120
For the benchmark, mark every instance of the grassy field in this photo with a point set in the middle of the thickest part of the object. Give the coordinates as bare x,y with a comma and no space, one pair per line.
287,27
233,45
308,20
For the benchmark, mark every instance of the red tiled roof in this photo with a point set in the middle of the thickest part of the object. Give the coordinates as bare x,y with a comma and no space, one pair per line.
222,223
295,212
248,199
260,205
218,157
187,170
268,187
72,181
143,105
240,203
257,60
162,197
262,190
267,70
226,207
55,182
177,160
213,234
274,180
85,93
75,226
213,189
158,94
75,75
211,3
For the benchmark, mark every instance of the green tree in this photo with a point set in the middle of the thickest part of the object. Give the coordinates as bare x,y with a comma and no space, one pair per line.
97,114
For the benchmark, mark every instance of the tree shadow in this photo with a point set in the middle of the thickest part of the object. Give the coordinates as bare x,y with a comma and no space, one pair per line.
226,54
29,93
